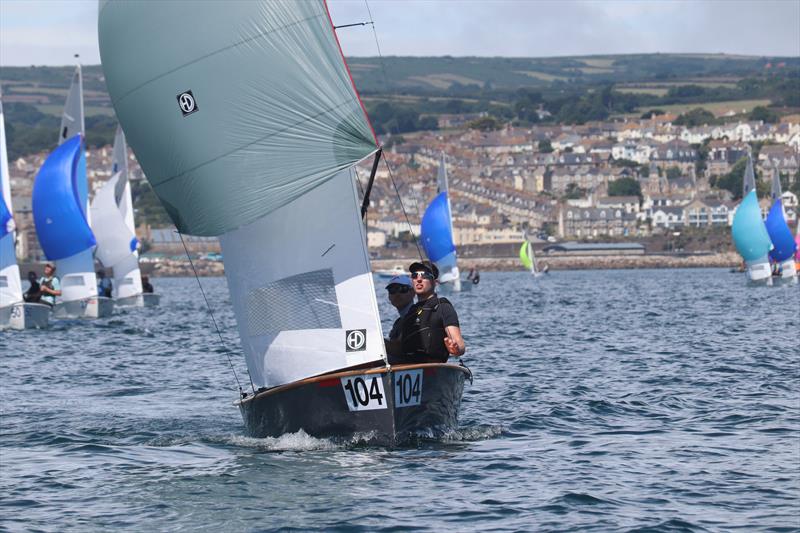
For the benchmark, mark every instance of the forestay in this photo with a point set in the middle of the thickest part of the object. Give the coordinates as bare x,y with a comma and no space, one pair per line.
10,285
247,124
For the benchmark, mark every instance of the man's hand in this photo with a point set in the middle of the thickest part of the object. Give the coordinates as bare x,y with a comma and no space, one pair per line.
452,347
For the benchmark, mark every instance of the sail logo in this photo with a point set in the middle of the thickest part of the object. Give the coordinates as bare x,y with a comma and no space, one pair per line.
355,340
187,103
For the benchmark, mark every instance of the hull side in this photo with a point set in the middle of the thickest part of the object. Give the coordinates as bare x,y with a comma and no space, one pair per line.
30,316
92,307
328,407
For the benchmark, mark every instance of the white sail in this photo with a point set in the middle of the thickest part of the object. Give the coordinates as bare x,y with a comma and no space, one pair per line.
10,284
246,123
115,241
127,276
78,280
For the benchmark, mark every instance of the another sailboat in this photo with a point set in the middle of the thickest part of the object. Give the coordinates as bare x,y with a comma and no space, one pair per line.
112,214
436,235
61,215
528,259
781,236
250,131
749,233
14,312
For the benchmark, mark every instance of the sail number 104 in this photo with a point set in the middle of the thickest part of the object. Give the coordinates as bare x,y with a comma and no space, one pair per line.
364,393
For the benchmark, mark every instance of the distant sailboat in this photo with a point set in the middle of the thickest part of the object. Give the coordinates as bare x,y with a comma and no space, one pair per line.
781,236
749,233
250,131
528,258
61,215
112,215
14,312
436,235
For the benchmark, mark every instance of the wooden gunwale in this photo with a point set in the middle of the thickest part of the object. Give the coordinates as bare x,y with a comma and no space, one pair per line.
346,373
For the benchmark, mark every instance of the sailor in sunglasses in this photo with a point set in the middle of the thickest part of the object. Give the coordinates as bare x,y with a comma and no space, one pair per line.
429,331
401,296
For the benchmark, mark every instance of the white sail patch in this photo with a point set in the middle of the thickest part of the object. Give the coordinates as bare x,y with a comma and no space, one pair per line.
300,281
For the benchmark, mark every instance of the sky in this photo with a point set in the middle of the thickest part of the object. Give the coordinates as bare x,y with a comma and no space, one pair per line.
50,32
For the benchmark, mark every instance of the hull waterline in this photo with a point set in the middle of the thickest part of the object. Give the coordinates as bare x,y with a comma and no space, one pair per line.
378,405
138,300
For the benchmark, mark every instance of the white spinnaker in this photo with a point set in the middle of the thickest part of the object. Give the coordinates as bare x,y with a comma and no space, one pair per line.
113,236
127,276
448,265
78,279
10,284
298,293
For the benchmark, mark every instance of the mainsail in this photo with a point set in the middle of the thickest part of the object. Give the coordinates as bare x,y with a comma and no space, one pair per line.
749,179
245,121
10,285
61,201
436,232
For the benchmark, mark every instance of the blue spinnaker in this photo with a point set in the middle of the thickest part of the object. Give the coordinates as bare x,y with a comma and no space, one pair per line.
437,237
749,234
59,202
6,224
779,233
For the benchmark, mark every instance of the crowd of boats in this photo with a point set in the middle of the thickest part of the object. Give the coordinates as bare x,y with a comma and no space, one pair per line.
72,233
771,254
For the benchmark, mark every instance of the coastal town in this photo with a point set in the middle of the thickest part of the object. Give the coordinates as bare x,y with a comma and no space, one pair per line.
638,180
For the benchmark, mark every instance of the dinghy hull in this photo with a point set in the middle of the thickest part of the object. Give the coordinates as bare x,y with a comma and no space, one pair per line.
139,300
377,405
92,307
25,316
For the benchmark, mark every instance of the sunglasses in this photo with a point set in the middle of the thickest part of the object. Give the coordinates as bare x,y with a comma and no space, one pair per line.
423,275
398,289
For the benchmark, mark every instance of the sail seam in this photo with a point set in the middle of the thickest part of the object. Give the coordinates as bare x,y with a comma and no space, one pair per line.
215,52
256,141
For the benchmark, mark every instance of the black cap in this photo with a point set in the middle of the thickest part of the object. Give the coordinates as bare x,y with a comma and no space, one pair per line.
426,266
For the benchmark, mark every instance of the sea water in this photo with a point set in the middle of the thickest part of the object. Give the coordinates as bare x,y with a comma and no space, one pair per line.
649,400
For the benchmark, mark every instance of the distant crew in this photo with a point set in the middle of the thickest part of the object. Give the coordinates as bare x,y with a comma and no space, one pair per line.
430,330
49,285
474,276
34,292
104,286
401,296
146,286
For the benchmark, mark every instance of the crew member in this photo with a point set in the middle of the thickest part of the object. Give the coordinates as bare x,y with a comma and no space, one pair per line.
401,296
430,331
146,286
49,285
103,284
34,292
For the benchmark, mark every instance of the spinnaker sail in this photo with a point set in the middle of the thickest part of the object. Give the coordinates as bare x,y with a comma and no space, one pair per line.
783,243
436,232
749,234
249,130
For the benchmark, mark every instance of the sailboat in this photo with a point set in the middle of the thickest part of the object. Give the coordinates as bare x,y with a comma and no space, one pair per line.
781,236
112,215
250,131
14,312
61,215
749,233
436,235
528,258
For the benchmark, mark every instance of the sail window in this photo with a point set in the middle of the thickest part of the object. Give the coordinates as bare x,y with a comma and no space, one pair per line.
302,301
126,281
72,281
3,281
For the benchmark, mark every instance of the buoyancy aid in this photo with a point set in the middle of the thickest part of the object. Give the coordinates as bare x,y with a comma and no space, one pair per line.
423,335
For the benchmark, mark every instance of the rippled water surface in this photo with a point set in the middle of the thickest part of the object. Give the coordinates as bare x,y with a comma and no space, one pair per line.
657,400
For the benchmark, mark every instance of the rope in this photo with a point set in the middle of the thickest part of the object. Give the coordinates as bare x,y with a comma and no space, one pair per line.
405,214
214,320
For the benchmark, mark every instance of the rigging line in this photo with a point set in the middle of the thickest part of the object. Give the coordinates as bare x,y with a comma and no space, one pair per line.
378,46
214,320
405,213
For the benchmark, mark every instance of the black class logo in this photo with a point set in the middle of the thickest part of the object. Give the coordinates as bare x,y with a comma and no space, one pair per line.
355,340
187,103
